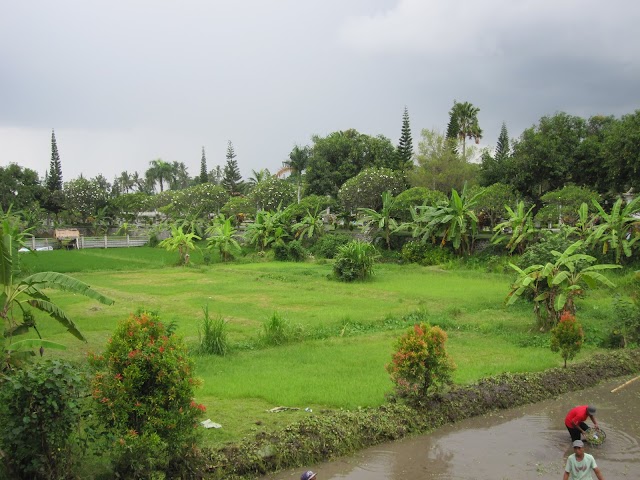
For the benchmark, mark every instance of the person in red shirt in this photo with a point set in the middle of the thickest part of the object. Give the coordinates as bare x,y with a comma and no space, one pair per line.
575,420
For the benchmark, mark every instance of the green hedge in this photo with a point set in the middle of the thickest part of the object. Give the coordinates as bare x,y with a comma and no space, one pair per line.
337,433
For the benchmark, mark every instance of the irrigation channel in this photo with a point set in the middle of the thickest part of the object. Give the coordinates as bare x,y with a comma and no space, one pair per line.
523,443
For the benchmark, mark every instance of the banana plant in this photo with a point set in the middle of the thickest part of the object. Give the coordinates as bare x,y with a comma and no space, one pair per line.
617,230
555,286
221,238
520,223
381,223
18,297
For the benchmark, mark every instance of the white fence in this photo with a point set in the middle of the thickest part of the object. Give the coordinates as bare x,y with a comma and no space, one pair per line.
104,241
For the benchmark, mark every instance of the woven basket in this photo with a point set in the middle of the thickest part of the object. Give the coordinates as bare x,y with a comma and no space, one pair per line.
595,437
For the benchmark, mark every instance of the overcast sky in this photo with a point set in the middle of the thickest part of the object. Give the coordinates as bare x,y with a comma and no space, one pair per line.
124,82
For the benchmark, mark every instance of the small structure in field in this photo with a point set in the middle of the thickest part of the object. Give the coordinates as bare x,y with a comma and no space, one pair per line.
67,237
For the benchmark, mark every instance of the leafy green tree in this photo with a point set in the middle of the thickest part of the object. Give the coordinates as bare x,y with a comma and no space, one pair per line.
161,172
453,222
181,241
366,188
204,177
199,200
544,155
491,204
19,187
420,363
520,226
404,150
297,211
84,198
231,178
19,296
618,230
382,224
439,168
341,156
221,237
239,208
466,119
562,206
296,165
621,153
567,337
557,284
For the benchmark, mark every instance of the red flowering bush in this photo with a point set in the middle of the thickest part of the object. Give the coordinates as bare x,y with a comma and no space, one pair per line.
420,362
567,337
143,390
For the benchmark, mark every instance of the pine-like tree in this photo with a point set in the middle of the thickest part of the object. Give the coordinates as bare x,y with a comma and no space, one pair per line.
204,178
231,178
503,149
452,133
404,151
54,179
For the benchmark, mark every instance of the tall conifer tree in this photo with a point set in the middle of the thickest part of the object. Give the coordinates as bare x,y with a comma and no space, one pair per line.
404,150
503,149
54,179
231,176
204,178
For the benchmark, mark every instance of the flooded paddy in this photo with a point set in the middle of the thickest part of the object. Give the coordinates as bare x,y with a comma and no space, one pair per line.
523,443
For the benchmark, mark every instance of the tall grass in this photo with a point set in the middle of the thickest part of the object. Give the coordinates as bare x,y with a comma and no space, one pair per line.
213,335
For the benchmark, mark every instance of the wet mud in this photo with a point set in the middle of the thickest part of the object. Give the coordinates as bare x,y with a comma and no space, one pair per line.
527,442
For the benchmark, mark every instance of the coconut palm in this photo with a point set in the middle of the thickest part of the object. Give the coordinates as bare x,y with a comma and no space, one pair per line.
297,163
466,121
161,172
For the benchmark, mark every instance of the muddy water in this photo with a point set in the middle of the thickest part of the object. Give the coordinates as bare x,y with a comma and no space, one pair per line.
523,443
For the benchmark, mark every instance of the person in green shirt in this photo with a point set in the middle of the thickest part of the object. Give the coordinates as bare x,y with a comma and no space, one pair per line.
579,464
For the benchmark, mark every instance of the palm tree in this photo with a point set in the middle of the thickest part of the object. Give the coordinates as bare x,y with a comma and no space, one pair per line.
161,172
258,177
297,163
125,181
466,121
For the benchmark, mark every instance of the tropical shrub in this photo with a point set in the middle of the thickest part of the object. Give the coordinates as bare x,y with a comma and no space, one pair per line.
425,253
213,335
292,251
355,261
420,363
239,209
547,241
327,246
561,206
42,408
269,228
311,203
567,337
380,224
519,226
143,389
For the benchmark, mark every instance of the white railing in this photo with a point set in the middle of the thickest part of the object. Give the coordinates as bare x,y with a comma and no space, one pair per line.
104,241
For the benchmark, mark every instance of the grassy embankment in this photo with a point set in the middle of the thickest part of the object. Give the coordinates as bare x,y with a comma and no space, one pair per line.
346,330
